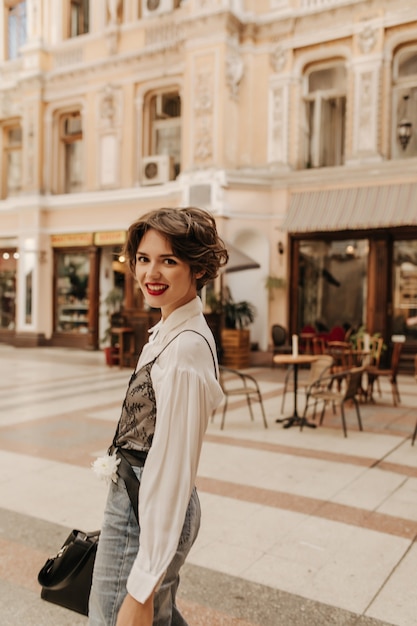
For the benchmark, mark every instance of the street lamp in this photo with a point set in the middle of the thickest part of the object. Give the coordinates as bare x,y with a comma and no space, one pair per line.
405,128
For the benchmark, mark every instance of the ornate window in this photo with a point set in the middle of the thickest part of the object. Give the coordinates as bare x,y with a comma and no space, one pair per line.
405,104
164,136
71,153
16,27
325,115
78,18
12,154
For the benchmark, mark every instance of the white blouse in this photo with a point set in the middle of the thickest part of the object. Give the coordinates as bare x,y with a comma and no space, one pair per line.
186,392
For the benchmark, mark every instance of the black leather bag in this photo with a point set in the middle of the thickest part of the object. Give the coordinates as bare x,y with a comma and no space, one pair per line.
66,577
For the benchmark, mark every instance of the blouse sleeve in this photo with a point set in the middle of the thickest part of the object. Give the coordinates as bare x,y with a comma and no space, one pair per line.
185,400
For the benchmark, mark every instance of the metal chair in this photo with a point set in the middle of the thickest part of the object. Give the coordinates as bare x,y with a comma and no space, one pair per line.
319,345
235,383
375,372
280,345
322,391
320,366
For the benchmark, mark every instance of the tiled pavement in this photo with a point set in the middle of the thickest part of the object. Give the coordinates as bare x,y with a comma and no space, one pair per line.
299,528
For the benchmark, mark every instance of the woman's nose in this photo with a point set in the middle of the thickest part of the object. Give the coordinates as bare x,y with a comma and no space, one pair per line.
153,269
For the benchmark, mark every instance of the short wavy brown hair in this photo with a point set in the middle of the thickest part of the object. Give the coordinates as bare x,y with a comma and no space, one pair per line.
192,233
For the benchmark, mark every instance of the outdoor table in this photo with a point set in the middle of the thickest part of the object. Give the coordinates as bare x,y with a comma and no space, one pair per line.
124,335
295,361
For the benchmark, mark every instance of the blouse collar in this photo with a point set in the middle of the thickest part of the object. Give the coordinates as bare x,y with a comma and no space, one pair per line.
176,318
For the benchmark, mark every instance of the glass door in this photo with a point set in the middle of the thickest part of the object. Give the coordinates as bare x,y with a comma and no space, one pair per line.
405,289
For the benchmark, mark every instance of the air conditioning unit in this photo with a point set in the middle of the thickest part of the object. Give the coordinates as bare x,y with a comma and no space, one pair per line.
156,7
157,169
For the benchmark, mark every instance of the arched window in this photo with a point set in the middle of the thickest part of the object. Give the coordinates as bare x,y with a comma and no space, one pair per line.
16,26
404,143
325,115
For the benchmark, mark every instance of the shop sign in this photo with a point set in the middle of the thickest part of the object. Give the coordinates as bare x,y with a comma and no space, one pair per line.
71,239
110,238
8,242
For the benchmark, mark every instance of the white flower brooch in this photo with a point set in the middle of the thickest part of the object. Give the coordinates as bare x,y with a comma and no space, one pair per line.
105,467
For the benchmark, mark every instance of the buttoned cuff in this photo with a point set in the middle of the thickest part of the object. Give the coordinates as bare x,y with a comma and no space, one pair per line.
141,584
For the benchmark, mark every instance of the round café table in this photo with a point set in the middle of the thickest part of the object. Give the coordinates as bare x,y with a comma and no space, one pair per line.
295,361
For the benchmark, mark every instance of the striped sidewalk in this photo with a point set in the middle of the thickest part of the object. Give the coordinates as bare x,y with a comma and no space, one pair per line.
298,527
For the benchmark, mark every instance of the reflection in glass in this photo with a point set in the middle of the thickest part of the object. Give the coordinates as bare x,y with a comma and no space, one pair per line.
72,292
8,272
332,284
29,263
405,289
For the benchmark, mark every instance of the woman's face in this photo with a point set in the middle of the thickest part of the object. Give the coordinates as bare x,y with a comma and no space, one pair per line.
165,281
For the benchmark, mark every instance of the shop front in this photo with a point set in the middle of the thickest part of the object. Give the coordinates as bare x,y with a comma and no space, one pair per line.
86,269
354,262
8,286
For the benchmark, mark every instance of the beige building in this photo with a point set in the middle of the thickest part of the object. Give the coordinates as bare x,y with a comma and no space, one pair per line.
293,121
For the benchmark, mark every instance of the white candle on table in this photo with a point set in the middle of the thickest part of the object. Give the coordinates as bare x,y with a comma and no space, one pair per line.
295,345
366,342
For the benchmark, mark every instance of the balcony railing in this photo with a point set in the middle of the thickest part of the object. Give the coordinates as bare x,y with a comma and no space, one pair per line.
304,6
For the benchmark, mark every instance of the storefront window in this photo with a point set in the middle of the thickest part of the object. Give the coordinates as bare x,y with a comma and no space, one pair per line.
332,284
405,289
8,261
72,270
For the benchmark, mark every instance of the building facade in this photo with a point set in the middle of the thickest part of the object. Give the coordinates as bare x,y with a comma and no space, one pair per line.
293,121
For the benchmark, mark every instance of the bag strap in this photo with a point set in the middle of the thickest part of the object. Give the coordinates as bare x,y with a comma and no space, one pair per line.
64,566
191,330
125,471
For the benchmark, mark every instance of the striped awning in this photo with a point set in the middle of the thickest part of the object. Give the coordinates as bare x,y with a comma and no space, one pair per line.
352,209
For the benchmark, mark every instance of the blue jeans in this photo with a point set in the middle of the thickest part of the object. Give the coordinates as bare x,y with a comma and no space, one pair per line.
117,550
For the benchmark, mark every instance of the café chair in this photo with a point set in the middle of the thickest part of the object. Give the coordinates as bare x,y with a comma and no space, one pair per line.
280,344
373,358
319,345
236,383
341,351
375,372
307,334
342,354
318,368
322,391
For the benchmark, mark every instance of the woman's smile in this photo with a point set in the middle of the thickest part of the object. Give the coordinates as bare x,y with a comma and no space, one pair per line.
156,289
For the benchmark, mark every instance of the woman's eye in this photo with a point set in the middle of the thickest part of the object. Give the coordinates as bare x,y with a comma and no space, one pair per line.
141,259
170,261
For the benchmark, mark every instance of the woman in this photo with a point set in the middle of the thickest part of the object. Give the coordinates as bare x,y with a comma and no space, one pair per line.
170,397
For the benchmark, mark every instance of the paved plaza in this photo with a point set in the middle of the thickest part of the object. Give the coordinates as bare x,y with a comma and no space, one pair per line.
299,528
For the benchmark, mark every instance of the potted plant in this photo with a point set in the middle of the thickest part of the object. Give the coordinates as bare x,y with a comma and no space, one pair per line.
113,302
273,283
235,335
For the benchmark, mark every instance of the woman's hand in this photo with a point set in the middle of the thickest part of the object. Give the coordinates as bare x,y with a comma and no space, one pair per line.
134,613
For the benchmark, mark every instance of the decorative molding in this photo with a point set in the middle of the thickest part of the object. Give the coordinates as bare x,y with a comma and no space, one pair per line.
68,56
203,113
30,141
109,107
113,9
234,73
278,59
278,124
10,104
366,110
367,39
112,39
